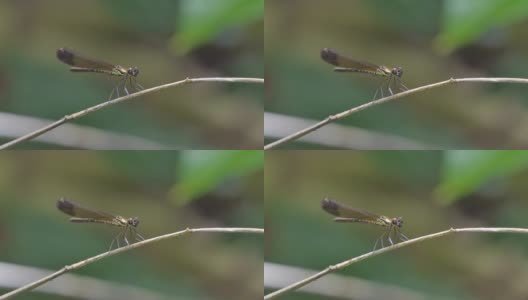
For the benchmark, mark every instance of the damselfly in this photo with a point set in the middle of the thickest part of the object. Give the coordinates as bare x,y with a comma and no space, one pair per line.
345,213
346,64
81,63
85,215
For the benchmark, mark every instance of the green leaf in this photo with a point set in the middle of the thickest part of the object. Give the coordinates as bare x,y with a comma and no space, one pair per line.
202,171
465,21
466,171
202,20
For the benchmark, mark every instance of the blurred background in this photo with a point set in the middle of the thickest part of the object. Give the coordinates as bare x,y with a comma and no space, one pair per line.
168,40
167,191
432,191
431,40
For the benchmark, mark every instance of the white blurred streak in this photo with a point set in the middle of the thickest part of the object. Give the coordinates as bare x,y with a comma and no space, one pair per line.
277,126
72,136
278,276
75,286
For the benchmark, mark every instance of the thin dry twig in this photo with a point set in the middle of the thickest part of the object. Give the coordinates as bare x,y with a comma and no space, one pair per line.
346,113
93,259
347,263
91,109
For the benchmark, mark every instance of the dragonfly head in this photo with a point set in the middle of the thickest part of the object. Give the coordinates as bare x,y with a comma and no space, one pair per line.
397,71
397,221
133,221
134,71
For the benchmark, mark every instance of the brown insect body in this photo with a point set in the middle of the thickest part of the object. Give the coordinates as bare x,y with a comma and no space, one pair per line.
82,63
85,215
345,64
81,214
345,213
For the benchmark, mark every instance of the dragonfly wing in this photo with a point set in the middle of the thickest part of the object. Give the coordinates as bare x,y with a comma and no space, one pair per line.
344,211
73,209
338,60
72,58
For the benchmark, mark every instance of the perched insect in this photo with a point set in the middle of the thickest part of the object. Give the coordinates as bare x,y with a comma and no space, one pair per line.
85,215
345,213
345,64
81,63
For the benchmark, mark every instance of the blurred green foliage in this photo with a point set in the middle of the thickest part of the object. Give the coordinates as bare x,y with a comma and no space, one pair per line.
203,20
201,171
466,171
468,20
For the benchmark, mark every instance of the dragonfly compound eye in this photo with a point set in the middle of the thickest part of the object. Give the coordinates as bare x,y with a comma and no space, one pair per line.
134,71
397,71
397,221
133,221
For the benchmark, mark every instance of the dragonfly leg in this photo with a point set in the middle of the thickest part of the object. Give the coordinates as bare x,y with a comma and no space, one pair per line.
133,88
381,87
131,84
112,244
136,235
389,239
380,240
375,94
125,233
139,238
125,86
112,93
139,86
403,237
375,245
118,236
382,237
386,85
391,79
402,86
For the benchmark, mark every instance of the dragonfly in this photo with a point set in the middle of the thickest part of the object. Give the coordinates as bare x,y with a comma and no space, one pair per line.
345,213
346,64
82,214
82,63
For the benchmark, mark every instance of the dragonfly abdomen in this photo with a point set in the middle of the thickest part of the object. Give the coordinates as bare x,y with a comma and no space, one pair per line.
115,72
378,72
100,221
354,220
